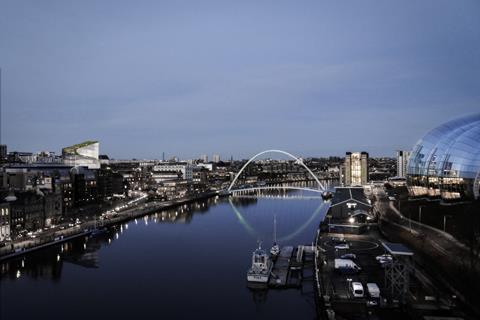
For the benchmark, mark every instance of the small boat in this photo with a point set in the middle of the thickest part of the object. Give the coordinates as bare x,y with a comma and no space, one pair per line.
275,250
261,267
327,195
96,231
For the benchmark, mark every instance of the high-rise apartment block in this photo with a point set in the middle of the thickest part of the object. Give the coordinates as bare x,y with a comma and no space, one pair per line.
402,160
355,169
3,151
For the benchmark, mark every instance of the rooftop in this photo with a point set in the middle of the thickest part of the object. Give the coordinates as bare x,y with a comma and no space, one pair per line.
73,149
397,249
344,194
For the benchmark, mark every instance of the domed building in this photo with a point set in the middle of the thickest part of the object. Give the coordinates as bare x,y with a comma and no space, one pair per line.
445,163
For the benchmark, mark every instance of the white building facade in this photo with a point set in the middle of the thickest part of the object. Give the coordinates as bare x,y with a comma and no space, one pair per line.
84,154
402,161
185,168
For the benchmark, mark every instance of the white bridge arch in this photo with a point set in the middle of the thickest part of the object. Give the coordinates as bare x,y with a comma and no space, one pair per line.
321,186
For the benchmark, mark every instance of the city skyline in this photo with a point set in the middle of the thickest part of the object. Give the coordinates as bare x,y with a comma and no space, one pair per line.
239,159
316,80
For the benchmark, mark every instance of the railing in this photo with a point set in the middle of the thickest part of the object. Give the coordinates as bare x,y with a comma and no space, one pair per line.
245,190
33,243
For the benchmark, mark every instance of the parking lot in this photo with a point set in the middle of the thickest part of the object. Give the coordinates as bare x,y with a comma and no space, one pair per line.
364,251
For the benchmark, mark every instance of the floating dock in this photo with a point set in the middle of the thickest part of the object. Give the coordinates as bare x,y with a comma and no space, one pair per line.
280,269
288,268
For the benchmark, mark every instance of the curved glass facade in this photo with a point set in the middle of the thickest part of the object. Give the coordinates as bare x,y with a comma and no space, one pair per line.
445,163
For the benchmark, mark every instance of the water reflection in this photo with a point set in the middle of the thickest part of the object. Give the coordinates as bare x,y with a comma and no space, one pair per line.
245,201
48,263
159,262
259,297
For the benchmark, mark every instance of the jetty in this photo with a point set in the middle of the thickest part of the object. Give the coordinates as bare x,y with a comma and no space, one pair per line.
288,268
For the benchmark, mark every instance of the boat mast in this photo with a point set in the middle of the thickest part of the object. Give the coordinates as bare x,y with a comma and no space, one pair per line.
274,228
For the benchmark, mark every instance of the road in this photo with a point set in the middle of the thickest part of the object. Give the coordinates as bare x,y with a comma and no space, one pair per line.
133,208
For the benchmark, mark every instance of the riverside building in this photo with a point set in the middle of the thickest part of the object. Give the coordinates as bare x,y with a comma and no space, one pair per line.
445,163
355,169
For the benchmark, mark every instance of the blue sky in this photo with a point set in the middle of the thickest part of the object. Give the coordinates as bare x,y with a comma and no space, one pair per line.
314,78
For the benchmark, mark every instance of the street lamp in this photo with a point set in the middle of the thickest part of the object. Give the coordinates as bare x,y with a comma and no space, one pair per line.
420,214
445,222
410,219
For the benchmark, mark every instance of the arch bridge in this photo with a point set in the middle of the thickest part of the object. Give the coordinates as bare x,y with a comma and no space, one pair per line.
249,190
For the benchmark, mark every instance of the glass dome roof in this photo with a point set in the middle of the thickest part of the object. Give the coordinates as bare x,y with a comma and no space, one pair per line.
449,152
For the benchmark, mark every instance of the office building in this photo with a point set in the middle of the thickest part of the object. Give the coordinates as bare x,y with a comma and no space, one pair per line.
21,157
184,169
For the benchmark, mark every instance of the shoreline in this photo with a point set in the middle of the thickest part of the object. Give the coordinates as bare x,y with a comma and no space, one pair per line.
88,227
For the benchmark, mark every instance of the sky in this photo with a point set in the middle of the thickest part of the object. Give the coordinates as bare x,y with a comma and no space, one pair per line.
315,78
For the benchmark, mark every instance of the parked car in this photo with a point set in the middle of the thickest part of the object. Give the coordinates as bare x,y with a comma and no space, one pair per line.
372,303
384,260
342,246
356,288
351,256
346,266
384,257
373,290
338,240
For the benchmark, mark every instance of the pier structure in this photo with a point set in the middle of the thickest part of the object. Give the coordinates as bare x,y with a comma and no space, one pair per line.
289,268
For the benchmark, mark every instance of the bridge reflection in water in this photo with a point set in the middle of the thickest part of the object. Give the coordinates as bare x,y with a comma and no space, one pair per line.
192,244
282,193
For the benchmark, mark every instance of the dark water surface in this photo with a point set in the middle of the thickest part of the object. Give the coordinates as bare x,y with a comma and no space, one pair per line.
186,262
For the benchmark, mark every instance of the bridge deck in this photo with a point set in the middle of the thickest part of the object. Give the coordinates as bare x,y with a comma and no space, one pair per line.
276,188
286,197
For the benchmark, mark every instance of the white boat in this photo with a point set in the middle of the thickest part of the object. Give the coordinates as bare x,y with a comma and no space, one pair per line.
261,266
275,250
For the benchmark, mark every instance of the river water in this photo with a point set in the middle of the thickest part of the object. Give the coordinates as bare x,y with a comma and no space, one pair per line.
185,262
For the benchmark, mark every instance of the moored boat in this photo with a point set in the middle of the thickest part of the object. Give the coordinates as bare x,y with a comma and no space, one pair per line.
261,266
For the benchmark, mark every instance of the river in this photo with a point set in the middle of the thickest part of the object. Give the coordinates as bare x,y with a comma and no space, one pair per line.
189,261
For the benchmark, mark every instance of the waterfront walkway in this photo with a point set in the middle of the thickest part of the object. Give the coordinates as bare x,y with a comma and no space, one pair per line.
52,237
